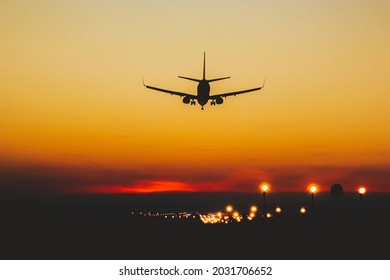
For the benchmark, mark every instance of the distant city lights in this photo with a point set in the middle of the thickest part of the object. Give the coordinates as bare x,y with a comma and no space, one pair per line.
229,208
236,216
210,218
232,215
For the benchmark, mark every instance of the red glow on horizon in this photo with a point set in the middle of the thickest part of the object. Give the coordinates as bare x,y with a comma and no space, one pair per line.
159,186
147,187
63,180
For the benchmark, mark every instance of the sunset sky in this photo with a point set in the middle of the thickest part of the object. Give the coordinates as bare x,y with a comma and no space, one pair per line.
75,117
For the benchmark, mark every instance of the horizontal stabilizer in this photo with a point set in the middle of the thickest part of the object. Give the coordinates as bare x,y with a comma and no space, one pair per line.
191,79
218,79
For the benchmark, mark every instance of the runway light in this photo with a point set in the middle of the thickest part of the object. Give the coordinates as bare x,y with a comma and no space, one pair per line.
278,210
313,189
362,190
253,209
268,215
302,210
264,187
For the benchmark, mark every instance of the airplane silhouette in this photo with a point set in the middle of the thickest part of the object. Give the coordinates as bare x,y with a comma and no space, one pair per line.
203,95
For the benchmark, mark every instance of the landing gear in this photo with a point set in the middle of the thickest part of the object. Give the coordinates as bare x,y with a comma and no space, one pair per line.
193,102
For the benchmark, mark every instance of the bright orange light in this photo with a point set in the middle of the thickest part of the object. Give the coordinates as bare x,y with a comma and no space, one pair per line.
278,210
235,214
219,214
362,190
264,187
268,215
302,210
253,209
229,208
313,189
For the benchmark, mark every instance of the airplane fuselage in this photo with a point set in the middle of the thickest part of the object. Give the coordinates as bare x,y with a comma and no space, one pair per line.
203,92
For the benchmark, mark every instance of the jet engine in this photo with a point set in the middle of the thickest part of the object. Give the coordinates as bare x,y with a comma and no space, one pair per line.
186,100
219,100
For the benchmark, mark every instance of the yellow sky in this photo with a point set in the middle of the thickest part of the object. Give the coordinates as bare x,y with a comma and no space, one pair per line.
71,83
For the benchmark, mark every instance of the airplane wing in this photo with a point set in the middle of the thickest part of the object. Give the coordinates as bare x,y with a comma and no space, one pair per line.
234,93
172,92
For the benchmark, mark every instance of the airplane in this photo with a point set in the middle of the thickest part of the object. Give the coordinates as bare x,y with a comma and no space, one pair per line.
203,95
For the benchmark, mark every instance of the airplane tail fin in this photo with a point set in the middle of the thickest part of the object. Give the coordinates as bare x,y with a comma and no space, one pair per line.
204,74
204,71
204,66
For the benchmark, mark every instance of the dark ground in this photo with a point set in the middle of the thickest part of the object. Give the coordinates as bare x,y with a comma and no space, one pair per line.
102,227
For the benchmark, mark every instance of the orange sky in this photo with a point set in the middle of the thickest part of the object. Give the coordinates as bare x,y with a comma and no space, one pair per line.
74,115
